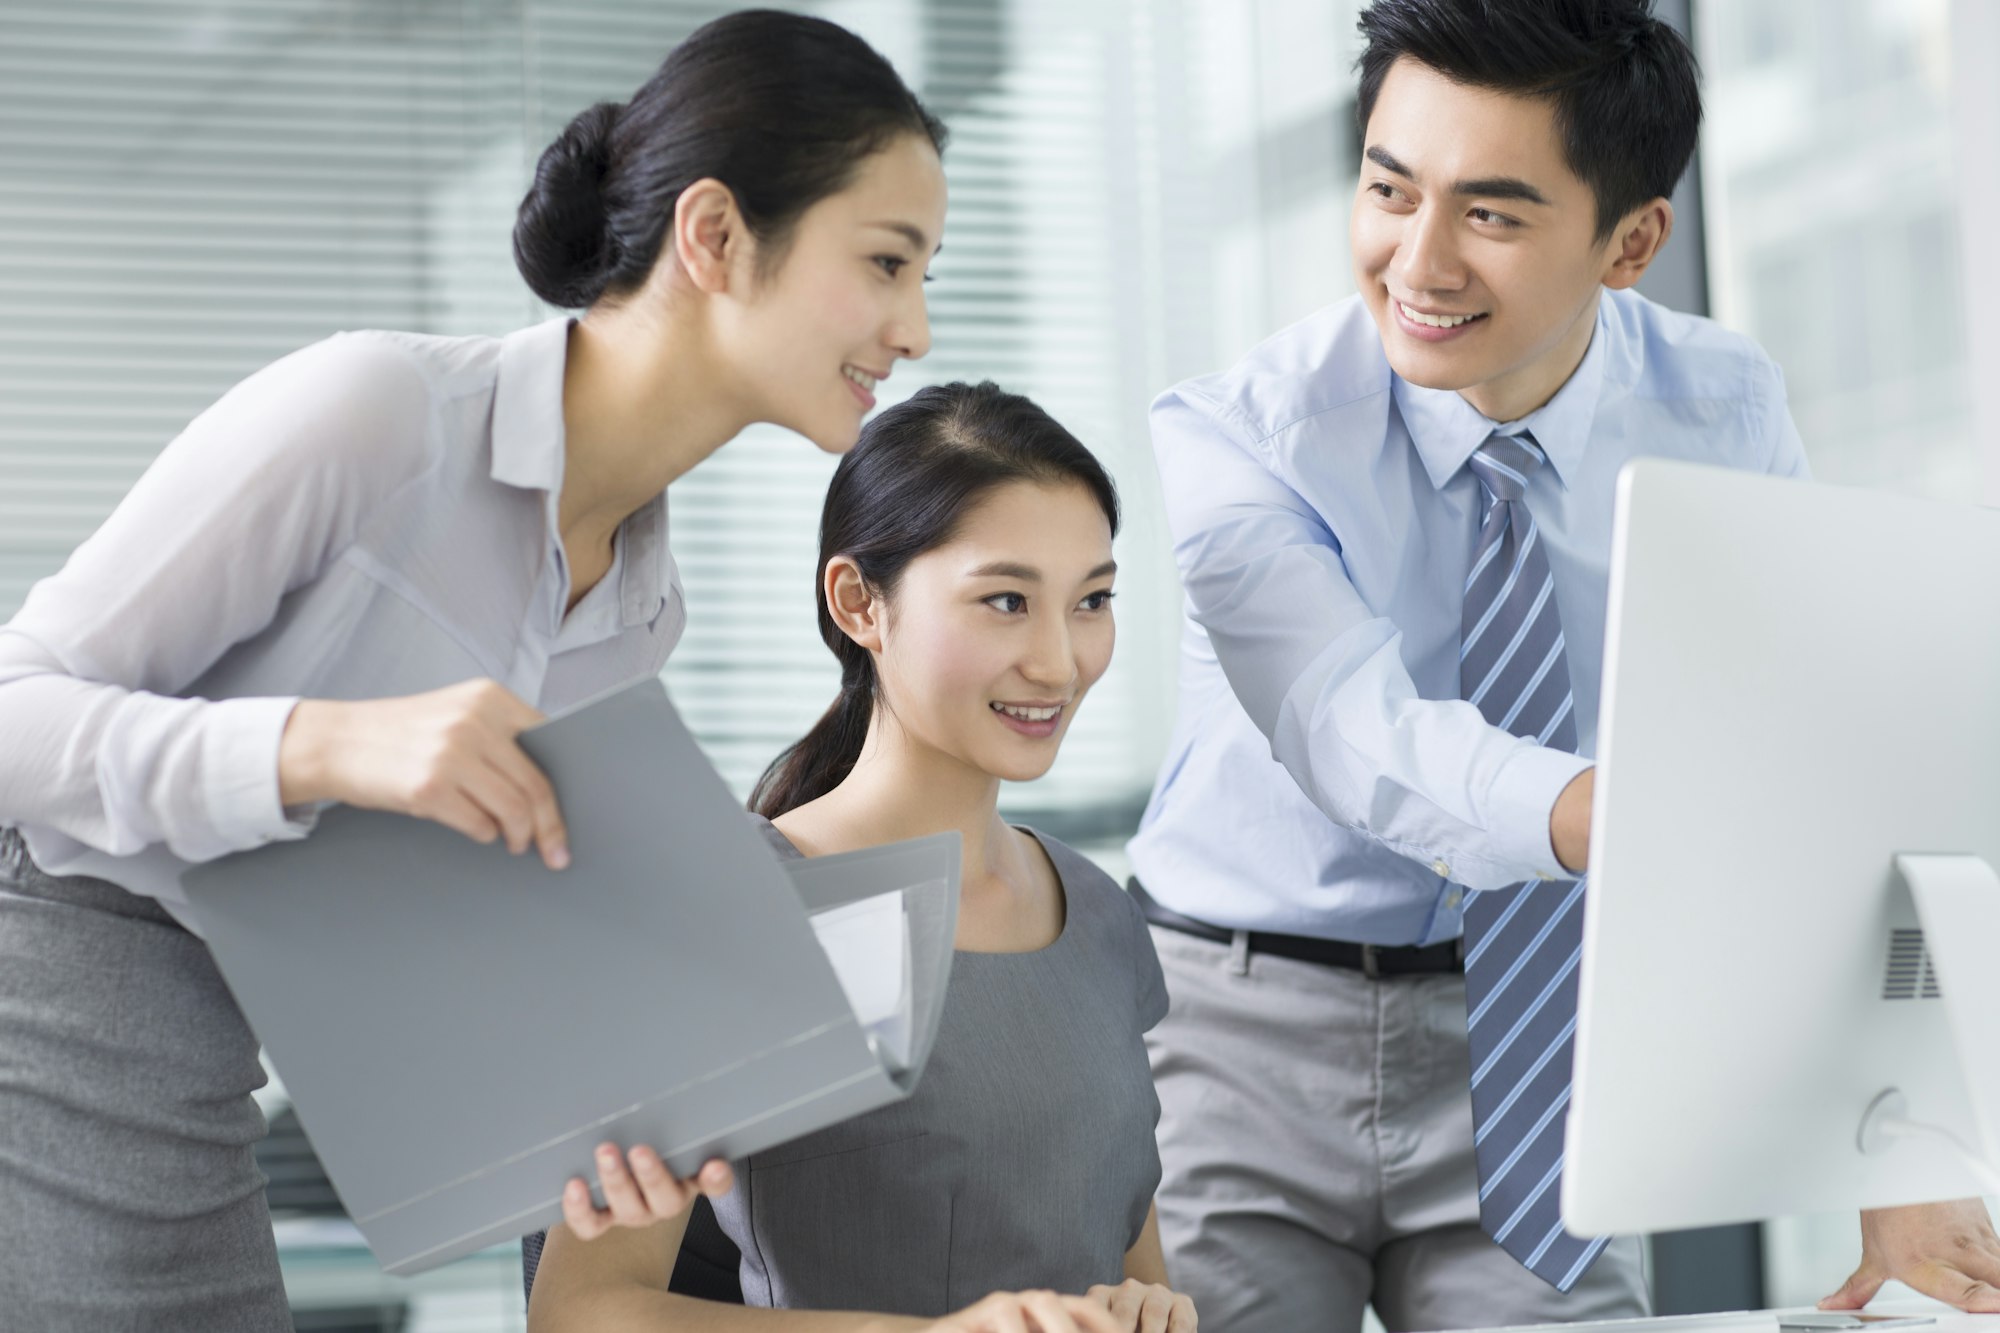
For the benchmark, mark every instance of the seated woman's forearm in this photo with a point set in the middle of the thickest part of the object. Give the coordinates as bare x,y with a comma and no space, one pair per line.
1146,1261
638,1309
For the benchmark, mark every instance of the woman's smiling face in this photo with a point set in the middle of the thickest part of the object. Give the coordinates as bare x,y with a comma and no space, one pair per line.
845,300
990,641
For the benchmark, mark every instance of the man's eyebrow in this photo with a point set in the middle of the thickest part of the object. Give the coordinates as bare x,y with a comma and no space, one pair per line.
1383,158
914,235
1482,187
1500,187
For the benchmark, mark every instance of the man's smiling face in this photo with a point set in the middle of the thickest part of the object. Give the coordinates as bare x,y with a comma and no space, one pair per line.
1475,245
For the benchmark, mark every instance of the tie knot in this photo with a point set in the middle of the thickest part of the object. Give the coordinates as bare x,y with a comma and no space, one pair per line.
1505,462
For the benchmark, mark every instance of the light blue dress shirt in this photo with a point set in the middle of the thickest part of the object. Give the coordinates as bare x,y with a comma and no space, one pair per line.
1324,777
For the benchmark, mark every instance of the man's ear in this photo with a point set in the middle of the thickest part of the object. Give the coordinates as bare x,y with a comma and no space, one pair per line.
855,608
1638,240
709,238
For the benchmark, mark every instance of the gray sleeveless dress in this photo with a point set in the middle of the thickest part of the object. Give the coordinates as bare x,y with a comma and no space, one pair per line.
1025,1158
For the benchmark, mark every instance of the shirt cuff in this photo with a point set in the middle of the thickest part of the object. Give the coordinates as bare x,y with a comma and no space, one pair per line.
1522,800
240,760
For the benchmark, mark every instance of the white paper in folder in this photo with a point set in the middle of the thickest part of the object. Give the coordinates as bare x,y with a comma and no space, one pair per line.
868,943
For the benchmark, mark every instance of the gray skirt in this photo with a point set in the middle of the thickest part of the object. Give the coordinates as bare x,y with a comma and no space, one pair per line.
129,1198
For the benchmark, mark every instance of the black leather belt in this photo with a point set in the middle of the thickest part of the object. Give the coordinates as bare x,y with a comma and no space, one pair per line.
1374,960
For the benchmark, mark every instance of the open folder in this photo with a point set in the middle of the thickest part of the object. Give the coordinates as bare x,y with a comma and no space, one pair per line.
459,1027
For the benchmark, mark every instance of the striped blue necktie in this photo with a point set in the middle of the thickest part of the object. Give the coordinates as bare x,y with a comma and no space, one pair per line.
1522,943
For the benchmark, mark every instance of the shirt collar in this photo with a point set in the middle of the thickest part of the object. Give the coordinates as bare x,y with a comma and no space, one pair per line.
528,444
1446,429
528,407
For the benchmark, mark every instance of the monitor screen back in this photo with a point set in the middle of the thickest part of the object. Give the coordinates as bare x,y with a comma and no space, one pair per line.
1800,682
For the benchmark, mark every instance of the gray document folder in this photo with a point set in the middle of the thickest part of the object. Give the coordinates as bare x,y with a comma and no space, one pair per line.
459,1027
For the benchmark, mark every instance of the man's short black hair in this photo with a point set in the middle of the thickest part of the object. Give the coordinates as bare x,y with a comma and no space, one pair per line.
1623,83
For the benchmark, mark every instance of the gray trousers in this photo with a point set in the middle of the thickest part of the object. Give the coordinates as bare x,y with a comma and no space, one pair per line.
129,1199
1316,1134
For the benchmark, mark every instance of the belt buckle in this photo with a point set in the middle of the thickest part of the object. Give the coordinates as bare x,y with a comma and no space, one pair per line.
1371,967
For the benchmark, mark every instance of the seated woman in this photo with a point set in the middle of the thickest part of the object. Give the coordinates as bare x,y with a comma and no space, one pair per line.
965,586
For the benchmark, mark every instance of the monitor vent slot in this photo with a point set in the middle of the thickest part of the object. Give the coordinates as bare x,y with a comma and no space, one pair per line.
1910,975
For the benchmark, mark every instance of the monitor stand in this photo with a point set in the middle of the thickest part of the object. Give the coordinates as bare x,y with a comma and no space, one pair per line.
1958,903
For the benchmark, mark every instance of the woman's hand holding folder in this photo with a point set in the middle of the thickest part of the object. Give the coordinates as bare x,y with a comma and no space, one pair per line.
448,755
638,1191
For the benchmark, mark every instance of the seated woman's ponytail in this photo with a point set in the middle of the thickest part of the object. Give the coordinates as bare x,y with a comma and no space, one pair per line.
901,491
819,760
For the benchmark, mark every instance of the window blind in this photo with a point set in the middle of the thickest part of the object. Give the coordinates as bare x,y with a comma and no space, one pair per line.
197,187
194,190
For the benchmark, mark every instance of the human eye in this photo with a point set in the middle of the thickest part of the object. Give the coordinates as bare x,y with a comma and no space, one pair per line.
1008,603
891,264
1487,215
1098,601
1387,193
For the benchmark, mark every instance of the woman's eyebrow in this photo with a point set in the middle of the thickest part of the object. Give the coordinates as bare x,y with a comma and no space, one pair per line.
911,233
1006,569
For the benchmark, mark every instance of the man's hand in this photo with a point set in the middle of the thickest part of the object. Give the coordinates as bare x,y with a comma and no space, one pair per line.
1569,822
1943,1250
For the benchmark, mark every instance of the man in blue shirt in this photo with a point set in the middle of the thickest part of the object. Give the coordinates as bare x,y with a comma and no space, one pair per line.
1393,524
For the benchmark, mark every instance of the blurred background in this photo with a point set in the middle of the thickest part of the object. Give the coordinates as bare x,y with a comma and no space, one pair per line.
1140,190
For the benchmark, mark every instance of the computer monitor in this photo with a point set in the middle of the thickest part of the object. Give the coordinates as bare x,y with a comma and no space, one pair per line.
1801,686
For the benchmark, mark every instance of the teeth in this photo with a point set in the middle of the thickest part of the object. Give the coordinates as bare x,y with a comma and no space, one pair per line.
1435,321
1027,714
865,380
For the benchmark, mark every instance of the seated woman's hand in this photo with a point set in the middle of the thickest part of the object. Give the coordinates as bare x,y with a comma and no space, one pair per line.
1030,1312
638,1191
1145,1307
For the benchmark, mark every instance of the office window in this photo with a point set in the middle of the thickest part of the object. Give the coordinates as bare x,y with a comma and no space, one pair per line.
1832,232
199,188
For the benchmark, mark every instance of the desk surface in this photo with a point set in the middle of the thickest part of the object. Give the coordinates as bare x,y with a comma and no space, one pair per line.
1766,1321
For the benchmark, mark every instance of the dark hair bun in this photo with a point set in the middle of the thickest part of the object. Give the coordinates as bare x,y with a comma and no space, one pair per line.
781,108
562,241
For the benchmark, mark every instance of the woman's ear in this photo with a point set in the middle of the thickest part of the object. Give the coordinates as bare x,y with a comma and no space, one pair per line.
709,238
853,605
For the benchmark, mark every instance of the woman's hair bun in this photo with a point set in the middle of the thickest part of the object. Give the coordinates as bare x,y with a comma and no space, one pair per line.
562,241
781,108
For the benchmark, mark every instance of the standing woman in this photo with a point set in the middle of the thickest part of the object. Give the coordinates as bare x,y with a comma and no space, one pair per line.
358,577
